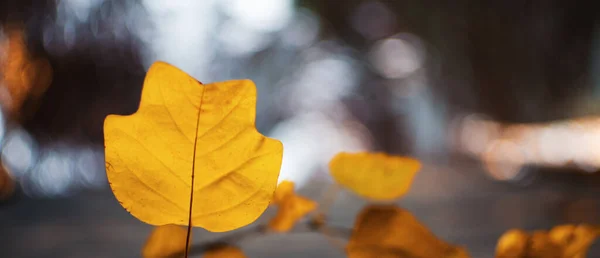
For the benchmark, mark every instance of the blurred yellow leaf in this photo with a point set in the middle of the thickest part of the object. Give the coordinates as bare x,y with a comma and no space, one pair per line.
519,244
165,241
513,243
224,251
374,175
192,146
284,190
389,231
575,239
291,207
541,246
564,241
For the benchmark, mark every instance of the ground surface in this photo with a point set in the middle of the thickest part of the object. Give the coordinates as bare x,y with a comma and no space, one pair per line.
461,205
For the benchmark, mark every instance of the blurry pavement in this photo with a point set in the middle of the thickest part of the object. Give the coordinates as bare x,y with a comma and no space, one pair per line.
458,202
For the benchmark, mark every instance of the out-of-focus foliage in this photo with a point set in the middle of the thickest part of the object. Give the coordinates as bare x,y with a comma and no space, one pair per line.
564,241
374,175
23,77
165,241
192,146
224,251
390,231
7,184
291,207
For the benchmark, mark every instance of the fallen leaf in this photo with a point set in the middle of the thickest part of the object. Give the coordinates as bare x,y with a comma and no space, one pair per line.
390,231
192,146
291,207
541,246
284,190
564,241
512,244
224,251
165,241
374,175
575,239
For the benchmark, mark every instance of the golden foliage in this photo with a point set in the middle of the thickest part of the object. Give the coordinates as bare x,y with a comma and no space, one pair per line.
192,146
224,251
512,244
291,207
564,241
165,241
374,175
389,231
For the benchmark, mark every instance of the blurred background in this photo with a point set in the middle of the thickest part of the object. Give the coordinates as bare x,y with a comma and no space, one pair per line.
498,99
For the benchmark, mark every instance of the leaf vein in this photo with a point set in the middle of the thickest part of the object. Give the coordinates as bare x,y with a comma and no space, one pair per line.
218,124
154,155
225,143
171,115
156,192
234,169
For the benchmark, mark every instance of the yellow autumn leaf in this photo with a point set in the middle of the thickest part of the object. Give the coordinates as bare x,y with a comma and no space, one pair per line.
291,207
563,241
513,243
390,231
374,175
224,251
284,190
575,239
191,153
165,241
541,246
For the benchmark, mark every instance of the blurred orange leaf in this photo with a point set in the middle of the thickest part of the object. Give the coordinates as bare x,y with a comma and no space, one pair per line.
389,231
165,241
564,241
291,207
224,251
374,175
7,184
191,152
22,75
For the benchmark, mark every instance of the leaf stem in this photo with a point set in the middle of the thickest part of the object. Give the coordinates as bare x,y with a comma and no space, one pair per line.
189,228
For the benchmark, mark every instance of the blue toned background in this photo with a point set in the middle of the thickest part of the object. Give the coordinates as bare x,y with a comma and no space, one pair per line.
497,99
